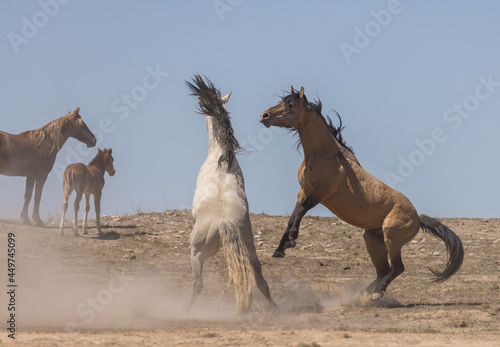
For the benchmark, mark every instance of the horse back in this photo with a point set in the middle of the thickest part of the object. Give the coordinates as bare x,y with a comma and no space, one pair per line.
20,157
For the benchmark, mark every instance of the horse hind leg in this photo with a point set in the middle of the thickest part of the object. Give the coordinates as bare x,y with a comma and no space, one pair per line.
259,278
197,261
86,213
64,209
76,207
377,250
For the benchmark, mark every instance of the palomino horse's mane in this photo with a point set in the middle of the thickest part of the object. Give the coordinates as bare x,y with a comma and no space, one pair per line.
316,107
210,104
50,133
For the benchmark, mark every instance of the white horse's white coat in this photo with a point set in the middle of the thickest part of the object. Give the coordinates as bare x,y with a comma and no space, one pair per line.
220,211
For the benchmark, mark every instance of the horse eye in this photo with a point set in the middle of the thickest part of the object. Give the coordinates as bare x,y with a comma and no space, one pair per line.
290,106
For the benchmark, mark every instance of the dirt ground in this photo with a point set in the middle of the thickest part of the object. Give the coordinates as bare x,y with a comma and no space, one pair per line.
129,288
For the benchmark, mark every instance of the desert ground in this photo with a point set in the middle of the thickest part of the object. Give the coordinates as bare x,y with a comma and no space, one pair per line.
129,287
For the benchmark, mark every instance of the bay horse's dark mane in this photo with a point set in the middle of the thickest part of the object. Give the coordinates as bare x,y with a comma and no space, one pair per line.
210,104
316,107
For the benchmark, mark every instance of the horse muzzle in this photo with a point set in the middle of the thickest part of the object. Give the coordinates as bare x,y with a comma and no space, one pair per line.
92,142
266,119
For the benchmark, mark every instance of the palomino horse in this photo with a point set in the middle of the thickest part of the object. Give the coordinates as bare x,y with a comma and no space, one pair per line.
86,180
331,175
220,207
32,154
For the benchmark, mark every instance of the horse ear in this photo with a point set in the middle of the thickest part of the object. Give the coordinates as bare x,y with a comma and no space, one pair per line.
225,98
110,151
301,92
99,150
291,90
77,110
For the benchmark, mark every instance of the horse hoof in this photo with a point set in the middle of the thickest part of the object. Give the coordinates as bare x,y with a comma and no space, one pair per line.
39,223
25,222
290,244
278,254
377,296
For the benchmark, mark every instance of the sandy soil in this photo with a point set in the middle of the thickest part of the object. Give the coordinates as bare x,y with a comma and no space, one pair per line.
128,288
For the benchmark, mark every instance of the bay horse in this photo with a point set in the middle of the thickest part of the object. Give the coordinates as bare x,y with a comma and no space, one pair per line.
331,175
32,154
86,180
220,207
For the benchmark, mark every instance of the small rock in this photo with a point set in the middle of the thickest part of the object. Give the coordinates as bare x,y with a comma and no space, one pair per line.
436,254
257,237
153,255
131,257
346,268
495,286
260,243
423,240
463,325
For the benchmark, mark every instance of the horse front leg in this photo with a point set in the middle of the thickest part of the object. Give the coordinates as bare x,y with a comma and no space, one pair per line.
292,230
40,182
30,183
97,203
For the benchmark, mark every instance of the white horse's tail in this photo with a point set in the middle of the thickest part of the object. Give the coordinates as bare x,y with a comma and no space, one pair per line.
238,263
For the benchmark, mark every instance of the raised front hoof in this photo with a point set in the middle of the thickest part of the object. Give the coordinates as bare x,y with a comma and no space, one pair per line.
377,296
278,254
290,244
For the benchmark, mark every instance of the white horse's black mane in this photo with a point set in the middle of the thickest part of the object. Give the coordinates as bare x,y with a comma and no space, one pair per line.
210,104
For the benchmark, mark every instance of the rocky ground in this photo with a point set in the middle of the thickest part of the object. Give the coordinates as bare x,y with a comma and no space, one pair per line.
129,287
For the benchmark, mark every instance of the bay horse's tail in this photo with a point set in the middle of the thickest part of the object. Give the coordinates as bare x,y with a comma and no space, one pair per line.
453,246
238,263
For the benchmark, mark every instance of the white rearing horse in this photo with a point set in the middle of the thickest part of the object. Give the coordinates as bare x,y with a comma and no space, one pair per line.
220,207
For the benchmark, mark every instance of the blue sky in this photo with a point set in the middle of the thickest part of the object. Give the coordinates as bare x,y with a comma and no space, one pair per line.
416,82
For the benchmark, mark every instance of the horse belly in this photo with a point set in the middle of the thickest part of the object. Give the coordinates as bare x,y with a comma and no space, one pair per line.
361,214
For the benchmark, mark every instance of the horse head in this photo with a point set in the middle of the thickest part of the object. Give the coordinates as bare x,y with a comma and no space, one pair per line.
108,160
76,127
288,112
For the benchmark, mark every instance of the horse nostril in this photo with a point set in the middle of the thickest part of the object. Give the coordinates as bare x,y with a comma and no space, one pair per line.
265,115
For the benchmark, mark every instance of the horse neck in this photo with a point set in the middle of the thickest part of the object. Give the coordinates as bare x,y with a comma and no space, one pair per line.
315,136
213,144
98,163
50,137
